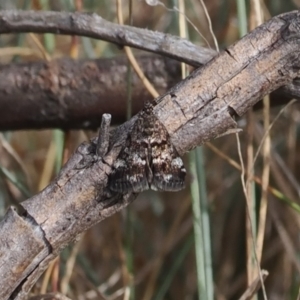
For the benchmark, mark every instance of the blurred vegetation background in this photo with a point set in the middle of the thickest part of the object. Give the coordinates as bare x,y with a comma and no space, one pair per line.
188,245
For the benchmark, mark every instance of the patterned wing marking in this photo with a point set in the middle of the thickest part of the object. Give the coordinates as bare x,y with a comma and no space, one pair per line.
129,175
148,159
168,169
130,169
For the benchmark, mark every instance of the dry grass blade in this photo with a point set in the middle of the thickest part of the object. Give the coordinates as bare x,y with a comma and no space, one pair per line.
64,283
132,59
47,276
169,240
254,287
271,189
286,239
50,296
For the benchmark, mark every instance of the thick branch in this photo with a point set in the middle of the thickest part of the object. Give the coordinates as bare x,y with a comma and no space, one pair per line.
70,94
231,83
50,95
196,110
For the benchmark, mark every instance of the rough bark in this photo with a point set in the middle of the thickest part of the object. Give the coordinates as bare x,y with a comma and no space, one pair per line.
70,94
196,110
73,94
57,94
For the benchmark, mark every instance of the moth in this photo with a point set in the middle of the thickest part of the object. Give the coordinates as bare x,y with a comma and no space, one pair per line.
148,160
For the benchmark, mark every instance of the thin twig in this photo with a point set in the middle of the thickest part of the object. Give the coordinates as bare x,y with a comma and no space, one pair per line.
103,137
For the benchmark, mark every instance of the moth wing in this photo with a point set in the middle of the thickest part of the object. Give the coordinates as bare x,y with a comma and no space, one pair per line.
168,169
130,169
148,159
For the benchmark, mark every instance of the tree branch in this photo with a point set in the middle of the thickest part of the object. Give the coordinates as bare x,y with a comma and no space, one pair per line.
71,94
92,25
49,94
196,110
